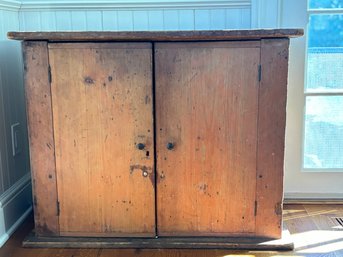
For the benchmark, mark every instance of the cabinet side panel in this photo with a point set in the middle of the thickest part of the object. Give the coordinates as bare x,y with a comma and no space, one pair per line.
41,138
271,137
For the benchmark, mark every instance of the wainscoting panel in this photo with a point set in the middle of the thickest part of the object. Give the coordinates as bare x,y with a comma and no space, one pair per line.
136,19
8,21
15,186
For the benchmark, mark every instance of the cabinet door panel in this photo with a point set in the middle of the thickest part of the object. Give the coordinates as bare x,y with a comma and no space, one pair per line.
206,107
102,108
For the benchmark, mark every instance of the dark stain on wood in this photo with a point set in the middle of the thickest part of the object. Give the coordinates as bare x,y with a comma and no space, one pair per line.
278,209
143,168
43,229
203,187
34,200
88,80
147,99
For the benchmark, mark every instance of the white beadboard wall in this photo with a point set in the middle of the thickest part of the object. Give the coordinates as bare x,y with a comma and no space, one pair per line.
135,20
135,15
15,186
8,21
11,90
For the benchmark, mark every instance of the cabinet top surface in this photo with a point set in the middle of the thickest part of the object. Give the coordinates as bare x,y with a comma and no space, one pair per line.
194,35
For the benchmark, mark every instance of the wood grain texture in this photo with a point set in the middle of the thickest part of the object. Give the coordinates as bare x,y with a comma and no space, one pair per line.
233,243
41,137
297,219
206,104
102,106
271,137
158,35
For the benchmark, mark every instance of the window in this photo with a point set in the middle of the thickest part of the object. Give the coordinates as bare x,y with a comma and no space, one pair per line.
323,133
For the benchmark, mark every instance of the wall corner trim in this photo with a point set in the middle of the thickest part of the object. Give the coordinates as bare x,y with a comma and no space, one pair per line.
10,5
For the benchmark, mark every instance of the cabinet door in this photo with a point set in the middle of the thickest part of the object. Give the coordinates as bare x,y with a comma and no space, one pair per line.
103,130
206,121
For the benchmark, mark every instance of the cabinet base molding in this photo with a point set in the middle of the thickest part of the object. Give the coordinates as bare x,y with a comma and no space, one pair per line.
243,243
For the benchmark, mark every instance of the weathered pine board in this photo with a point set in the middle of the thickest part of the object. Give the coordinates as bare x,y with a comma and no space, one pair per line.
158,35
232,243
41,137
271,137
206,105
102,109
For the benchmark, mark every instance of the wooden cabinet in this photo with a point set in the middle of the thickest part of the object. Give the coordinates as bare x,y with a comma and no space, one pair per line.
157,134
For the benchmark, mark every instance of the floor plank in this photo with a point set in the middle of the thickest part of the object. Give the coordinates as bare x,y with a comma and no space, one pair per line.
314,232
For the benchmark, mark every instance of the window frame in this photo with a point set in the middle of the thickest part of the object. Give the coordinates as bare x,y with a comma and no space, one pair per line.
337,92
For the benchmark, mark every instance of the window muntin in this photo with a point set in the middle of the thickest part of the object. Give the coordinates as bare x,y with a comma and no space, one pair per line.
323,117
325,4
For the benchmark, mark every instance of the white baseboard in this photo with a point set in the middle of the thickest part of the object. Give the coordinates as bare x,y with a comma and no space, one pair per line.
15,206
4,237
299,195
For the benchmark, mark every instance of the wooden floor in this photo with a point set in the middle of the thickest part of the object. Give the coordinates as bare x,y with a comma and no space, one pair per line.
313,227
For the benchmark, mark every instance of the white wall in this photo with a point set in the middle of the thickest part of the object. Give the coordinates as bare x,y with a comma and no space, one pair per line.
15,187
300,184
128,20
266,13
12,103
187,15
